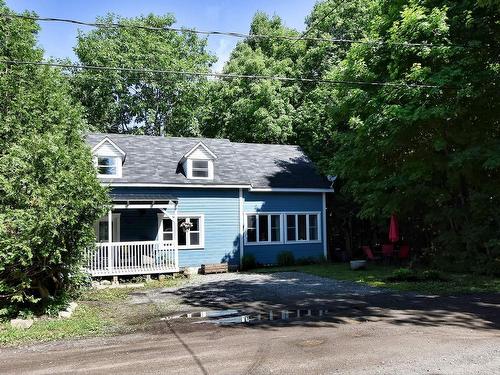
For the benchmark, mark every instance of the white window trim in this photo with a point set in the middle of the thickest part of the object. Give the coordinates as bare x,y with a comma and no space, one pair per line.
107,140
269,229
283,228
201,218
202,145
117,217
118,166
190,169
307,240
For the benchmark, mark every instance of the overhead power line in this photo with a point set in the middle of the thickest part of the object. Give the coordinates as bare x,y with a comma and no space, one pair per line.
318,22
218,75
229,33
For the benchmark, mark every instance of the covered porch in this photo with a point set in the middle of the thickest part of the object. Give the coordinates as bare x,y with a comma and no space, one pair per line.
129,240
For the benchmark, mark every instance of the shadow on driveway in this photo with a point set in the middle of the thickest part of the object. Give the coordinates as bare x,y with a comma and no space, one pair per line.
345,301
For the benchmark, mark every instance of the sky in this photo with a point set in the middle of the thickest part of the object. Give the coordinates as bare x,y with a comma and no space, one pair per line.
58,39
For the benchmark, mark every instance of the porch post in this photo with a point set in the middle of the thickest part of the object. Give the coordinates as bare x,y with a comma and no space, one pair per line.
110,240
174,227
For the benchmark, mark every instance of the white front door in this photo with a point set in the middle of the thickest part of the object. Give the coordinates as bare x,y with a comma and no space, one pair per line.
101,229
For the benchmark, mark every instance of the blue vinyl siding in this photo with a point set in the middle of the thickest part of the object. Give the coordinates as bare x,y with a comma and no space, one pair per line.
220,208
284,202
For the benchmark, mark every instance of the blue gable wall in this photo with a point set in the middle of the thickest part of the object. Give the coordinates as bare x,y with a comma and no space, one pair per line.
284,202
220,208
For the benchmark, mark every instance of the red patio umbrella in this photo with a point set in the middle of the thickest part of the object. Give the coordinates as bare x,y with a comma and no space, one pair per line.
393,229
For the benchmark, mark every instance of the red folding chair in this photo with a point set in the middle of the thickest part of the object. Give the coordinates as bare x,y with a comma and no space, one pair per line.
369,253
387,251
404,252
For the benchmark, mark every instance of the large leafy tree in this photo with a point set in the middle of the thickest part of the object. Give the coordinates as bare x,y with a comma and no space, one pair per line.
430,154
149,103
49,193
258,110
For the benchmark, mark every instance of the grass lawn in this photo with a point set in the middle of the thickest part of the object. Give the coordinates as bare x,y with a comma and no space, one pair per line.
100,312
375,275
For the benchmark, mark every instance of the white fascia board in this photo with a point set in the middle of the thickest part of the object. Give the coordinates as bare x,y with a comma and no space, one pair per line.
210,186
292,190
139,184
106,139
199,144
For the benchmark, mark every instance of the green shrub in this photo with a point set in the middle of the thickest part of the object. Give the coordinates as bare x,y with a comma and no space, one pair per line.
403,274
50,196
433,275
306,261
248,262
409,275
285,258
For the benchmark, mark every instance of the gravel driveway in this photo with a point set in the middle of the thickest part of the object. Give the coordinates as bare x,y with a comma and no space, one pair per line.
255,292
368,331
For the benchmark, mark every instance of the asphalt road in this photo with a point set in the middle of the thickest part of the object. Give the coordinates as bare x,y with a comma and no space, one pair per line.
365,332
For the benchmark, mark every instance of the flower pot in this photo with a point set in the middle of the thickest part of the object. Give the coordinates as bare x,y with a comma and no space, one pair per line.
358,264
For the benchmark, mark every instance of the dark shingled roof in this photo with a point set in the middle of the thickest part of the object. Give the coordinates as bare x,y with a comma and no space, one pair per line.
156,160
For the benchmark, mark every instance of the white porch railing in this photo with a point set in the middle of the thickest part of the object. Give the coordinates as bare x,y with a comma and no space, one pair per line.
132,258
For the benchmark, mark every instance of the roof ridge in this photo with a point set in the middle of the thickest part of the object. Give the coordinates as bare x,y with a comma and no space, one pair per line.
265,144
154,136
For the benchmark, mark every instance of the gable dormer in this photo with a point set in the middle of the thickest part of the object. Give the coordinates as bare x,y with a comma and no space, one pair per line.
108,159
198,163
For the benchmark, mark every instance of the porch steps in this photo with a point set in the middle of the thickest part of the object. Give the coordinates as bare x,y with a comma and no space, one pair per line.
214,268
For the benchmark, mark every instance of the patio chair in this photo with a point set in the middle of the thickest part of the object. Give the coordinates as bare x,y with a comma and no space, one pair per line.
404,252
369,254
388,251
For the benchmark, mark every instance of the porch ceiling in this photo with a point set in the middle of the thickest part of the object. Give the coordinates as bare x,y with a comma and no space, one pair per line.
142,200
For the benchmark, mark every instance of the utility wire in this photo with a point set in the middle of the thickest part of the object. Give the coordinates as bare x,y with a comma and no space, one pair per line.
334,8
214,74
227,33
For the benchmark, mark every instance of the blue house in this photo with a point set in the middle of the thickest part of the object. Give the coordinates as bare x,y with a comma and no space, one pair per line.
184,202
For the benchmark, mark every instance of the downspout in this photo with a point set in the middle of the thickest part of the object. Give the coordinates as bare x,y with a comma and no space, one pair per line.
240,210
325,234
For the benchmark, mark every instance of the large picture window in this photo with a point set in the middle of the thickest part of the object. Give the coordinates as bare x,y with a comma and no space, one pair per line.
276,228
263,228
302,227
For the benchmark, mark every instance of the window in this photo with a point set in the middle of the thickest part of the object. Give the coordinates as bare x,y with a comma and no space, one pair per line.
278,228
101,228
102,234
108,166
263,228
168,230
189,231
291,226
251,228
200,169
302,227
275,228
313,227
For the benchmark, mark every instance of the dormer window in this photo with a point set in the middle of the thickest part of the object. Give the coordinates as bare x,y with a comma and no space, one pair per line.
108,159
200,168
198,163
107,165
